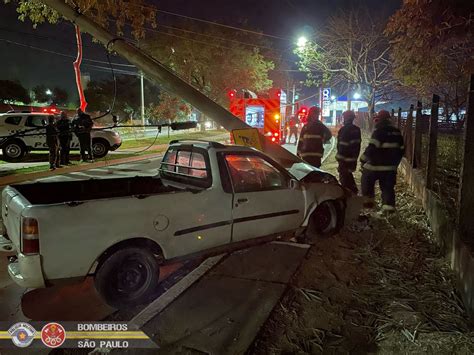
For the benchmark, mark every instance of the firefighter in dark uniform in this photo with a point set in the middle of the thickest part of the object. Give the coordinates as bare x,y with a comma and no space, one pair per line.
380,162
348,149
313,135
82,125
53,143
65,137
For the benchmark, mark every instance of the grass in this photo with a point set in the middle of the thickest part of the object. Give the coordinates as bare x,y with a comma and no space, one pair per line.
145,146
164,139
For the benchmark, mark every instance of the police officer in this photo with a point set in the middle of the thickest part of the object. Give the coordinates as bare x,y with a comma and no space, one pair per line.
65,137
313,135
348,149
380,162
53,143
82,128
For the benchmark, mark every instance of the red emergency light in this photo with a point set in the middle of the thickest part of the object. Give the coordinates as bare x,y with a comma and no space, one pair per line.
231,94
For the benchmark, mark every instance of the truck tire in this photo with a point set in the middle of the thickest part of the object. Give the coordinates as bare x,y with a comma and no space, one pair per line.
128,277
326,220
100,147
13,150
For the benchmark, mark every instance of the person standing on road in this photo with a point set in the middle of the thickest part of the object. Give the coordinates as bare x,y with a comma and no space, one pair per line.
65,137
380,162
313,135
53,143
82,128
293,129
348,149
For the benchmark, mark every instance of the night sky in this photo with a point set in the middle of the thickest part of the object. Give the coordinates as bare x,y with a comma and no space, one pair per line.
285,18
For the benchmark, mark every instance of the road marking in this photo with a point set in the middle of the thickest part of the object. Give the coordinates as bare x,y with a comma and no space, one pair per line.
176,290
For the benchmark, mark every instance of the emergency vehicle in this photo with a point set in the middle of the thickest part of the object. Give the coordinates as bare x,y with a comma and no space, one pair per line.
267,113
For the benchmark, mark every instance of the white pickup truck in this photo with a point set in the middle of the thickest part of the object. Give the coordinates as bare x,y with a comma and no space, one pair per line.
206,199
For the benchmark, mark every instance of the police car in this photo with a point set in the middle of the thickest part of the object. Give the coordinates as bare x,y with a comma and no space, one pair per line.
15,146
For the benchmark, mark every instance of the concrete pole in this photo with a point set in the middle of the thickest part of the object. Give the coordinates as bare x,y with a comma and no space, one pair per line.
433,143
142,87
160,74
465,221
293,100
416,162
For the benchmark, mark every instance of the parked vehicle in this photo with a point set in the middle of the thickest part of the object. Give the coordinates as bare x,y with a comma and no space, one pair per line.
14,149
207,198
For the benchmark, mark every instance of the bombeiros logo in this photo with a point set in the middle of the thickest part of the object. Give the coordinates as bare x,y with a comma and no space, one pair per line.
22,334
53,335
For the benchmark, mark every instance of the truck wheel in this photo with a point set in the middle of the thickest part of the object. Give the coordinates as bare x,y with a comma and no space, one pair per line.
13,150
326,220
100,148
128,277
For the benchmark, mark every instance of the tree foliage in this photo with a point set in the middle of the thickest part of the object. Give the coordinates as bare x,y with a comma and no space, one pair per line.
100,95
13,91
433,48
169,108
351,54
39,92
207,59
117,13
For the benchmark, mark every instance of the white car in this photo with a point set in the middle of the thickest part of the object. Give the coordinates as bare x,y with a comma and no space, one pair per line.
17,146
206,199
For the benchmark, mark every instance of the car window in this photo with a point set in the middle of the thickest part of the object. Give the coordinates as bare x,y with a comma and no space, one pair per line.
253,173
186,166
15,120
36,121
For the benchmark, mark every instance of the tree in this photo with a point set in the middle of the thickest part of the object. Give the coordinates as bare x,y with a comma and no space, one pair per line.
128,100
41,94
59,96
351,53
136,13
169,108
433,48
13,91
208,59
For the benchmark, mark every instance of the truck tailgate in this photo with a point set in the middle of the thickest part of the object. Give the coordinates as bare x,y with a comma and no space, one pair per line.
12,206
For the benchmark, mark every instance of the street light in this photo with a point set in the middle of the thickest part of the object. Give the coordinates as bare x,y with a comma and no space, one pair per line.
49,92
356,96
302,41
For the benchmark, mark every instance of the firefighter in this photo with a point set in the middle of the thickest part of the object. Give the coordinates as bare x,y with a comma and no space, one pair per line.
53,143
65,137
82,125
348,149
313,135
380,162
293,129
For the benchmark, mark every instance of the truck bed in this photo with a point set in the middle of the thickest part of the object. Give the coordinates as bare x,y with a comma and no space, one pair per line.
41,193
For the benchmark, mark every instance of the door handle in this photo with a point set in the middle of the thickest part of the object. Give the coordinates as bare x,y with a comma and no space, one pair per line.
242,200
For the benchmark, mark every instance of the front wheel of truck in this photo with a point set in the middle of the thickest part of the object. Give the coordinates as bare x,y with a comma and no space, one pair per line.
128,277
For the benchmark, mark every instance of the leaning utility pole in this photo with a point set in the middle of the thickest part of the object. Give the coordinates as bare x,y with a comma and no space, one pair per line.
157,72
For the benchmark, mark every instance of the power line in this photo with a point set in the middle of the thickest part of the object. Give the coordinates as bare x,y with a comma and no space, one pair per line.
210,22
58,53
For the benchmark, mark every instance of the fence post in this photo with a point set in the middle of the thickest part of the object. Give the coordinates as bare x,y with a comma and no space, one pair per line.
465,221
433,144
416,162
408,135
399,119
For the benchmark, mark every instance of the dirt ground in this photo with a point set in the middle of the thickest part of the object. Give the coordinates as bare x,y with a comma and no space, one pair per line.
381,286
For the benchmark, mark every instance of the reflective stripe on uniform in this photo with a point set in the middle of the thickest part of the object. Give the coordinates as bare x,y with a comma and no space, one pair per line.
390,145
369,166
375,142
340,157
354,141
312,136
311,155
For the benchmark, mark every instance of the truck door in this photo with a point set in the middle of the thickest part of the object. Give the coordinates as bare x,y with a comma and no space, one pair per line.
263,201
202,216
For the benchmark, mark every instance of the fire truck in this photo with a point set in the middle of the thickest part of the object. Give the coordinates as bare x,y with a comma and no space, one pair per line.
267,113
